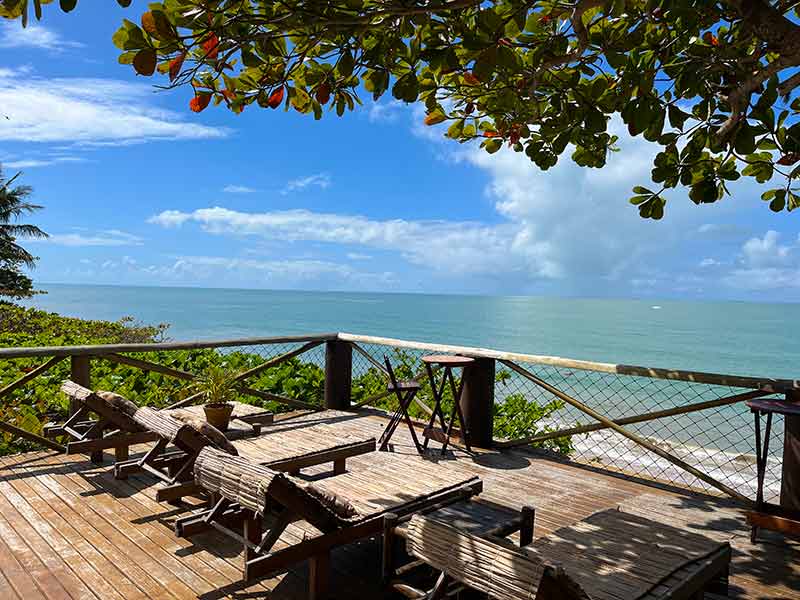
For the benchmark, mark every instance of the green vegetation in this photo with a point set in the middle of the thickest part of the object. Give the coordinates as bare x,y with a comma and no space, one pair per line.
39,401
13,205
711,84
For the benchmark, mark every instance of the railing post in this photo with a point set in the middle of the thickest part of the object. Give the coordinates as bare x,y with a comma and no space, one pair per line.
790,479
477,401
338,374
80,373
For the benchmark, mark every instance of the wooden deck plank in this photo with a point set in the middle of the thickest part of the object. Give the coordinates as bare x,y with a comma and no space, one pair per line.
65,522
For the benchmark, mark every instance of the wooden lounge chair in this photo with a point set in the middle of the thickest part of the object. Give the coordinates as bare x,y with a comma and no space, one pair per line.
102,421
256,504
612,555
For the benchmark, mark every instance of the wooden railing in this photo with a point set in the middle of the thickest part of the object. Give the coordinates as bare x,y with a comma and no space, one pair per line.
664,395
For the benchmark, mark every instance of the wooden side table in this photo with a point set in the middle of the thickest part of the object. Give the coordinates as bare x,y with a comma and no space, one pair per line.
442,434
784,518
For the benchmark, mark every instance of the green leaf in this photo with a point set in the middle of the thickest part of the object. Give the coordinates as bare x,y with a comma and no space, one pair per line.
68,5
492,145
346,64
406,88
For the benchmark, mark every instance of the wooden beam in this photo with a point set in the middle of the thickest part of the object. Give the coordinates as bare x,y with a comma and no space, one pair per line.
652,416
97,350
631,436
148,366
277,360
376,363
114,440
338,374
477,402
777,385
32,437
31,375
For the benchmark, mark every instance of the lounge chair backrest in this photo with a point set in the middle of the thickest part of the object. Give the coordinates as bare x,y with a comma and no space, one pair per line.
489,566
254,486
153,420
108,406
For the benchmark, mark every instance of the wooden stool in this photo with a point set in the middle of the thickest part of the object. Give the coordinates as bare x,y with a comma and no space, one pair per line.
448,363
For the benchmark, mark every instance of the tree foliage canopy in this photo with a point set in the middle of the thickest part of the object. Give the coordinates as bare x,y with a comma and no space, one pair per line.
711,83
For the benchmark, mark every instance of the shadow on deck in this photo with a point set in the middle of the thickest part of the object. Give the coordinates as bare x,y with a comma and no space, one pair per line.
69,530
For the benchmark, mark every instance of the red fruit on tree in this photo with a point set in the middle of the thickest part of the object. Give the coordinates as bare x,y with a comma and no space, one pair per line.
275,98
175,66
200,102
211,46
469,108
710,38
471,79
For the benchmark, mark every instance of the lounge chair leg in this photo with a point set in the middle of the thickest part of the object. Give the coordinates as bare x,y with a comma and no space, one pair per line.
339,466
120,455
439,589
528,516
252,533
319,571
387,566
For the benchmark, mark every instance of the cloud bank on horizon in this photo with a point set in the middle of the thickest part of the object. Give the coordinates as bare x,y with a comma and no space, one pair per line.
139,190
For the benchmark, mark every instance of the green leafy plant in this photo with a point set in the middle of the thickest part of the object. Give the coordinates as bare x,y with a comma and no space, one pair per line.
217,384
712,85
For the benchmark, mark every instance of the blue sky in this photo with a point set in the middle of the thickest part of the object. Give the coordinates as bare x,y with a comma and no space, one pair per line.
139,190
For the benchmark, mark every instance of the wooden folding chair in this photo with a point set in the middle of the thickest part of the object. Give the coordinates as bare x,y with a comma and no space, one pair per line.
405,391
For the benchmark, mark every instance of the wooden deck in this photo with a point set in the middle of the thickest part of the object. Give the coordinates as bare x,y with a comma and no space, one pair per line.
69,530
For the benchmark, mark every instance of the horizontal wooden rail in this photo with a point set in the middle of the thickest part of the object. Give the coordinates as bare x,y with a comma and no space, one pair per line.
96,350
765,383
760,383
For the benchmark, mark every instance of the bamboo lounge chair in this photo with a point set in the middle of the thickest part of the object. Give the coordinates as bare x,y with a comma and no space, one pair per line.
113,425
344,508
612,555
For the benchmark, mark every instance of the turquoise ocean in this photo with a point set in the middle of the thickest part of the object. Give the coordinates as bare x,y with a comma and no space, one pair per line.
738,338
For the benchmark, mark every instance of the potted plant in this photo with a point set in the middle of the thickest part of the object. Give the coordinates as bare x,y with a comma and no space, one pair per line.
218,390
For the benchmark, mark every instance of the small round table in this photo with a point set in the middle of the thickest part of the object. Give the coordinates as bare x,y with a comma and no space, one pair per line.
447,362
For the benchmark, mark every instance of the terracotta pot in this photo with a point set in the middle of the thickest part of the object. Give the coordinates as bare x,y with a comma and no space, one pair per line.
218,414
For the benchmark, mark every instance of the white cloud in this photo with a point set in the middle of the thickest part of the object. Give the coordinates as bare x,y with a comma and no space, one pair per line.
766,251
459,246
320,180
386,111
30,163
221,271
111,237
765,264
13,35
238,189
358,256
709,262
88,111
